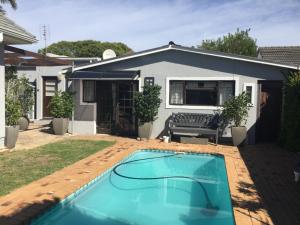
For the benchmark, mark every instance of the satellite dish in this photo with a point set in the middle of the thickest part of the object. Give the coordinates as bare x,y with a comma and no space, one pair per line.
108,54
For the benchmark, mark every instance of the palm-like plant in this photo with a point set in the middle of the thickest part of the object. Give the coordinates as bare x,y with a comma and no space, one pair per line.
13,4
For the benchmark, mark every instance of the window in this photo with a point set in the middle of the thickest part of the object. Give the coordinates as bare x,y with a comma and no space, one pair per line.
149,81
200,93
248,88
88,91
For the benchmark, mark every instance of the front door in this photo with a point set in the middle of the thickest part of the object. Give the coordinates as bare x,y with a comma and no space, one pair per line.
49,89
269,111
126,122
105,106
115,107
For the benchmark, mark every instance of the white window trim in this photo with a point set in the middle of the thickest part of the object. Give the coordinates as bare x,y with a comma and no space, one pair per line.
81,102
203,107
253,91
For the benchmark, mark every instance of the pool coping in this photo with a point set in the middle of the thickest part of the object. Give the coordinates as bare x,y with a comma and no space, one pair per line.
98,163
88,185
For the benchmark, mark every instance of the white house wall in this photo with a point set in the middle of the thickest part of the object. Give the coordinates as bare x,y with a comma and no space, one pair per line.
2,96
182,65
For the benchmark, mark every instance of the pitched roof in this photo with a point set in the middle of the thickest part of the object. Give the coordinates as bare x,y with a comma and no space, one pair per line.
13,33
185,49
289,55
19,57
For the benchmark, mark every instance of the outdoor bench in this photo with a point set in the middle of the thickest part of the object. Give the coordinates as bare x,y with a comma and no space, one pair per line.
194,124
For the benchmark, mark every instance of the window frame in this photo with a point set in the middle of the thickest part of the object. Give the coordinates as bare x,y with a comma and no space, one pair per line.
235,79
83,86
252,85
146,80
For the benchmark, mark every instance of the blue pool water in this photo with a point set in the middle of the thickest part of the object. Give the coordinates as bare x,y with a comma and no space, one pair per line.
113,200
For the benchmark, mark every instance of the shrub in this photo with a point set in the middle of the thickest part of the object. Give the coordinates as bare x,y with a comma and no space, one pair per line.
12,103
25,95
290,129
61,104
147,102
12,112
236,110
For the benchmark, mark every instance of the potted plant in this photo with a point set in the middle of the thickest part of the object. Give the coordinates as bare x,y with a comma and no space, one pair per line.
26,99
235,112
61,107
146,104
12,112
12,115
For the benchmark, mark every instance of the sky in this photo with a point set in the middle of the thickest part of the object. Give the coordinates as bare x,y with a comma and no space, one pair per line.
145,24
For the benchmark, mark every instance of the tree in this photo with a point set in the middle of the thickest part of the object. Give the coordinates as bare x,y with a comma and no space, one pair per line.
12,3
238,43
86,48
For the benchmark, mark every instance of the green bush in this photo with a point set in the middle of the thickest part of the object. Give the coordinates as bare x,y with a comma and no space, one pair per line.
147,102
61,104
12,103
290,130
12,112
236,110
25,95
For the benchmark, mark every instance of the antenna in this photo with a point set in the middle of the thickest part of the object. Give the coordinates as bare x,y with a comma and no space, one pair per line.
44,31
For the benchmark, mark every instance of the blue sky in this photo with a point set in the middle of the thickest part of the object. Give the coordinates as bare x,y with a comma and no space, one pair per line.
145,24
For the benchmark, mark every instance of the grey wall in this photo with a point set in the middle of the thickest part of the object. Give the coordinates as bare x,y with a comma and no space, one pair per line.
174,63
37,74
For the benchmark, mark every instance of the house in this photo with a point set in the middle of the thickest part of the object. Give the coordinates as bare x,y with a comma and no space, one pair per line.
76,60
10,34
289,55
192,80
44,73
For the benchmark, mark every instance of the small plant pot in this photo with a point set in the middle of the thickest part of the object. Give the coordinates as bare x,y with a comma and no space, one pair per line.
23,123
166,139
60,125
11,136
145,130
239,135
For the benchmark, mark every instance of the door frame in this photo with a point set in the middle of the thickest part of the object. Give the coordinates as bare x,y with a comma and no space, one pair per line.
260,85
44,78
115,108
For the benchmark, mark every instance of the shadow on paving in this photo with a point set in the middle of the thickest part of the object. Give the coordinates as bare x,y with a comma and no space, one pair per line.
75,216
27,212
271,169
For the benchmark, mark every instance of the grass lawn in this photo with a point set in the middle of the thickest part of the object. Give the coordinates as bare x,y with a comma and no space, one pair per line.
18,168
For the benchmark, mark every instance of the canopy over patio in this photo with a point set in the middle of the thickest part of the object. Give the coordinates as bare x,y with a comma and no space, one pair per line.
105,75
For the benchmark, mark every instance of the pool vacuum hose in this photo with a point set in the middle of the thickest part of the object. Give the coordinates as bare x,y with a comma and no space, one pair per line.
209,205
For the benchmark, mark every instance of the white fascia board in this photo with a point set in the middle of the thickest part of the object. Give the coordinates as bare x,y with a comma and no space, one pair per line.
239,59
120,59
184,50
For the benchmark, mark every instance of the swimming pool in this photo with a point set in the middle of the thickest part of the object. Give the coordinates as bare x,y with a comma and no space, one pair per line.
151,188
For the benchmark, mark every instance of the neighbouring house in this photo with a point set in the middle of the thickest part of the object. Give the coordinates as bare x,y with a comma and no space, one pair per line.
44,73
289,55
76,60
192,80
10,34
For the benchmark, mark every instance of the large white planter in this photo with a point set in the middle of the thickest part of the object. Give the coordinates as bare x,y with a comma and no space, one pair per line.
239,135
145,130
60,125
11,136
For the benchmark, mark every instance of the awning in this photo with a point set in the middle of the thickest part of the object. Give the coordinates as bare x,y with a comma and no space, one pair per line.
105,75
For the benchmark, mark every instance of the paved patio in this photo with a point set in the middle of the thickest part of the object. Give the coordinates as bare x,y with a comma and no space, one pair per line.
26,202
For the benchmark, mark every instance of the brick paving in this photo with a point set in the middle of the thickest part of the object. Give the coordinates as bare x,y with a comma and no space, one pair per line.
23,204
271,169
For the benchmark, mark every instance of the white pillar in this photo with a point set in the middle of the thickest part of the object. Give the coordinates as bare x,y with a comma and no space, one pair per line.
2,95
